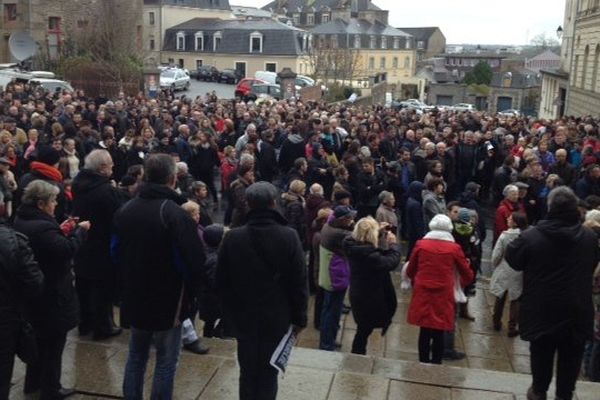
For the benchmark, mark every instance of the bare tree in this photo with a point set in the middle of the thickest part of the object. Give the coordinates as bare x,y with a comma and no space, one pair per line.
332,63
543,41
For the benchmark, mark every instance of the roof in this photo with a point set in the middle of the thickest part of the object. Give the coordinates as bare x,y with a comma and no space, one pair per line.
559,73
293,5
357,27
520,80
475,55
252,12
546,55
420,33
278,38
203,4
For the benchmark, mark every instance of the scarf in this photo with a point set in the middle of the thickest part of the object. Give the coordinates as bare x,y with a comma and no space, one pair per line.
47,170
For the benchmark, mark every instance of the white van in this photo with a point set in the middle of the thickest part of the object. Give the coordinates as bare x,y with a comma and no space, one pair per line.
267,76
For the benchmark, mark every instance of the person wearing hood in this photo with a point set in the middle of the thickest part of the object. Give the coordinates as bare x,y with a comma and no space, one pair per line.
372,293
438,270
415,223
292,149
263,289
434,202
292,203
506,282
558,257
469,199
96,199
45,167
466,236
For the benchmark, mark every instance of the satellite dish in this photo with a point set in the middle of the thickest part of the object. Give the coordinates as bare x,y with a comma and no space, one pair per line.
22,46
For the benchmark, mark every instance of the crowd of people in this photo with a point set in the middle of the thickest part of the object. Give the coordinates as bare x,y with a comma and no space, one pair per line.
119,202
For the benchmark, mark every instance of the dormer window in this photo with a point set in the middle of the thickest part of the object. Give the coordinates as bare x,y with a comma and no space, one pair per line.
180,41
296,19
357,41
199,41
384,42
407,43
256,42
420,45
373,42
396,43
310,19
217,40
325,18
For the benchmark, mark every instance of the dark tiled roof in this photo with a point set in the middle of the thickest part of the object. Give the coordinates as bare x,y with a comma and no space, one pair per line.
357,27
294,5
251,12
205,4
420,33
278,38
520,80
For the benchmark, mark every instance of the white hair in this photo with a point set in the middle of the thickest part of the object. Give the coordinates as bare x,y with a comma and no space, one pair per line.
182,167
317,189
97,159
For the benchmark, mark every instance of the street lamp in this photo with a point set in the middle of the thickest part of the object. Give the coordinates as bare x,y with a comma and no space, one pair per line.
559,32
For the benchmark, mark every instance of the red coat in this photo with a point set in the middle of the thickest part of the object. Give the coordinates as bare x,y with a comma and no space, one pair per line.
504,210
432,269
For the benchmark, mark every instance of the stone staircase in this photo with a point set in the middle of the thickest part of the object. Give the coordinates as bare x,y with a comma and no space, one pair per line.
96,371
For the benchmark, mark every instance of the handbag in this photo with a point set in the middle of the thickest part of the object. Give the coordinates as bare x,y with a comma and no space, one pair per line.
27,349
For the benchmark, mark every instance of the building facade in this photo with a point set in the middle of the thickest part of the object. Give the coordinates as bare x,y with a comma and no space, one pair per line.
53,23
160,15
429,41
246,46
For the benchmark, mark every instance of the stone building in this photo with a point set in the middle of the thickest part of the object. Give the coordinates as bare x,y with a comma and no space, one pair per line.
53,23
429,41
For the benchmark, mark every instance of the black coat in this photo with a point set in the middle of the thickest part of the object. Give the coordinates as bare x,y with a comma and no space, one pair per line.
156,244
267,161
21,279
414,220
95,200
558,260
372,293
57,310
263,297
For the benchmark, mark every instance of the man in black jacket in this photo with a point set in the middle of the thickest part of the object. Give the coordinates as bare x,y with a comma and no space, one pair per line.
20,279
96,200
271,283
558,258
156,244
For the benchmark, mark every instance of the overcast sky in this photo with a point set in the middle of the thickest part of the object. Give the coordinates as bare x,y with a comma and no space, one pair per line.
472,21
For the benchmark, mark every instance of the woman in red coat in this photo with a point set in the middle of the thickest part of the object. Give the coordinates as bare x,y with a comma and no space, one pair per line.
507,206
435,265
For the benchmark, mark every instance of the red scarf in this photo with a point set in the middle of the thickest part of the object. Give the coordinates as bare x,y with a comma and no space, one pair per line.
47,170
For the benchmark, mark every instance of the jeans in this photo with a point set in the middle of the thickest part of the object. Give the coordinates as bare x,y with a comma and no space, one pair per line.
330,318
258,379
570,354
431,345
361,338
168,346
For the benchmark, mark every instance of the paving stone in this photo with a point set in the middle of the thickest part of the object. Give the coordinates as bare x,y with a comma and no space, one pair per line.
348,386
327,360
460,394
305,384
193,374
407,390
490,364
224,384
521,364
485,346
357,364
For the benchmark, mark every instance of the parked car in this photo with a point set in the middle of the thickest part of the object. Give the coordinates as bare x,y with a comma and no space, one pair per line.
229,75
510,113
208,73
52,85
461,107
412,104
174,79
244,87
264,90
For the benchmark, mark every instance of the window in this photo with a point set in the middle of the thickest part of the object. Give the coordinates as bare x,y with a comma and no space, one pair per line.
181,63
373,42
82,23
54,23
296,19
396,43
217,40
382,63
371,62
256,42
310,19
407,44
271,67
180,41
171,61
325,18
383,42
151,17
357,41
395,62
595,70
199,63
420,45
10,12
407,62
586,57
152,44
199,41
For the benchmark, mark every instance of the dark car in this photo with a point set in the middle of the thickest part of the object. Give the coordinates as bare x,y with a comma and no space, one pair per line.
229,76
208,73
265,90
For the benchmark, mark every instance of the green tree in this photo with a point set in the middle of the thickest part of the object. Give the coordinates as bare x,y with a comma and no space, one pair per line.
480,75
